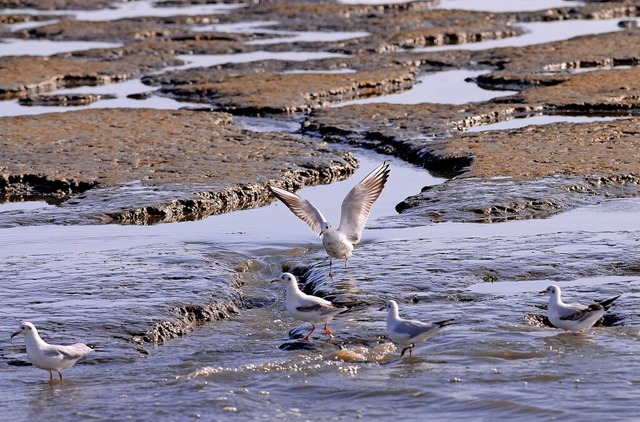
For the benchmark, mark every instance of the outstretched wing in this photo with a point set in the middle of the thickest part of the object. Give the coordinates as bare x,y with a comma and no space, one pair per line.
301,208
358,202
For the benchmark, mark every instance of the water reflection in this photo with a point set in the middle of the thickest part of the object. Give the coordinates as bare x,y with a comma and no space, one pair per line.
17,47
447,87
539,33
133,9
538,120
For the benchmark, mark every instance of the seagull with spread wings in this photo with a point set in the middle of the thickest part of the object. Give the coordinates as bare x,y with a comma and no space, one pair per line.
355,210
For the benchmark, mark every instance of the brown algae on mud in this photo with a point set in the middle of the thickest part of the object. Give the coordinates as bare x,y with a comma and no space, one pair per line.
217,166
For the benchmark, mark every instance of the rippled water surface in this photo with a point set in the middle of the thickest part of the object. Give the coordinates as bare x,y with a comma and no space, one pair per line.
106,285
498,360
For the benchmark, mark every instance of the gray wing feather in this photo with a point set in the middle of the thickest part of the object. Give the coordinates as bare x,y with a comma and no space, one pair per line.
324,309
301,208
414,328
578,313
312,308
74,351
357,204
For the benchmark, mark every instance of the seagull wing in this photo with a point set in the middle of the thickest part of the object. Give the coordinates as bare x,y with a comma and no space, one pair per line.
309,303
408,330
71,352
301,208
606,304
575,312
358,202
323,309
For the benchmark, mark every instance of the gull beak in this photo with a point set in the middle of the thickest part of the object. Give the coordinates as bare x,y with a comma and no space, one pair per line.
15,334
543,292
275,279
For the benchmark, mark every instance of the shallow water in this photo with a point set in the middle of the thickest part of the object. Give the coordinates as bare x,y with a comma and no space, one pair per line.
132,9
537,120
485,5
540,32
447,87
494,362
511,6
17,47
106,284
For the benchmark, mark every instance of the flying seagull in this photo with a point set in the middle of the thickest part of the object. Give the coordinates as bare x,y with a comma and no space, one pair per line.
355,209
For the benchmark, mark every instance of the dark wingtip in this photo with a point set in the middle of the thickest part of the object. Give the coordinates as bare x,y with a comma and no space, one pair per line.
606,304
446,322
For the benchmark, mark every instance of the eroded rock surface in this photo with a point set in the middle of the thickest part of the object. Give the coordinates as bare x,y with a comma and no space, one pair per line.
199,161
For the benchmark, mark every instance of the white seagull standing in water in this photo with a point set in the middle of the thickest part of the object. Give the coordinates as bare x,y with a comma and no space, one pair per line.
306,307
50,357
573,317
407,332
354,214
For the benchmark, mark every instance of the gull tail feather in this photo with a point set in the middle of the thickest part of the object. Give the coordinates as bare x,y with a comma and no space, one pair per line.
606,304
445,322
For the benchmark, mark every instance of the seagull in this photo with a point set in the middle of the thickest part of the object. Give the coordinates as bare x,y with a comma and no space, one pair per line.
354,214
50,357
407,332
574,317
306,307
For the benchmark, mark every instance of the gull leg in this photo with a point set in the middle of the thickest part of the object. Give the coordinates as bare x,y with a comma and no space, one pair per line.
313,327
346,262
410,350
60,373
330,267
50,376
327,330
